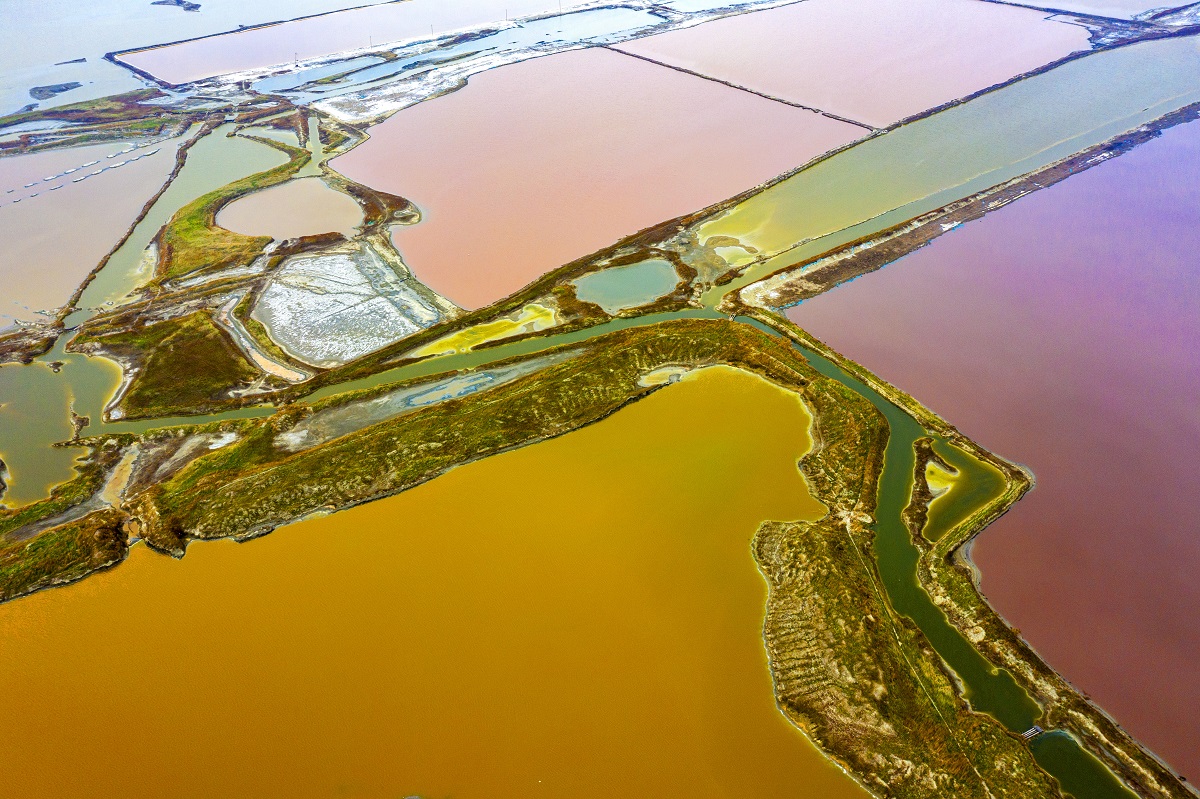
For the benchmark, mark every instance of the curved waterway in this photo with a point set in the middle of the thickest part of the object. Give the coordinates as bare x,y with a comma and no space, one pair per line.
989,689
587,624
927,163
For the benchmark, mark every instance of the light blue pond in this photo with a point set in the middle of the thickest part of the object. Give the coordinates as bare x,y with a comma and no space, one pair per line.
290,80
622,287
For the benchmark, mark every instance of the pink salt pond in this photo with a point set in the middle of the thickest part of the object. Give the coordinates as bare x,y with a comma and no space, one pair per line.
303,207
872,61
1061,331
536,164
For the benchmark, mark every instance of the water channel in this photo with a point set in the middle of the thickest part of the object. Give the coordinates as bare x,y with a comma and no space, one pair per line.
990,690
34,412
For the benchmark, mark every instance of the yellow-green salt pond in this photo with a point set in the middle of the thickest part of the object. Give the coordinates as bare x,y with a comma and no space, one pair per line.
530,319
958,494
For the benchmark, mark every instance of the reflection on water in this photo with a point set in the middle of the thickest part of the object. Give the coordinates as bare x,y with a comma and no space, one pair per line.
578,618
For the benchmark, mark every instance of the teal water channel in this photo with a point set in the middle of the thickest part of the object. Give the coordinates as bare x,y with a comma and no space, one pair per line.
989,689
883,181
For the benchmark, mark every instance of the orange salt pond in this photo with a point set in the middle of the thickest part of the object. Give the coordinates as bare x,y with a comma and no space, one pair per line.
579,618
303,207
535,164
873,61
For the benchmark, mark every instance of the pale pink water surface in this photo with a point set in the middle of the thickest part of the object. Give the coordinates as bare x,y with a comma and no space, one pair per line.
1062,332
303,207
51,241
873,61
536,164
326,34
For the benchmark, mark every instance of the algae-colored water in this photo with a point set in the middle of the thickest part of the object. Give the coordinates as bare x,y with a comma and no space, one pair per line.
975,484
1064,337
987,141
588,624
989,689
596,145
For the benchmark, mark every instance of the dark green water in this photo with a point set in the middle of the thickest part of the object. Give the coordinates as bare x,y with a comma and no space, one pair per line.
977,484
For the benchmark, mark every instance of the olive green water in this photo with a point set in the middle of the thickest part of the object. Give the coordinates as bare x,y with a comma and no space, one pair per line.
588,624
884,181
976,484
871,186
951,155
990,690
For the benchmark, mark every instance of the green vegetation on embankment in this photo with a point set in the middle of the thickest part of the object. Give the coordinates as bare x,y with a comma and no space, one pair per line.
944,572
192,241
117,108
859,678
67,551
180,365
62,554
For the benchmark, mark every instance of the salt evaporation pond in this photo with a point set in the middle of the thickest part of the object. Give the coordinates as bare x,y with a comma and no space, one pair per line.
596,145
1061,332
588,625
303,207
42,34
873,61
61,228
314,37
33,413
329,307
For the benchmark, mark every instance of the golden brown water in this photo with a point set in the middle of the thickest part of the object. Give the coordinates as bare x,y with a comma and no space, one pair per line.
579,618
873,61
596,145
303,207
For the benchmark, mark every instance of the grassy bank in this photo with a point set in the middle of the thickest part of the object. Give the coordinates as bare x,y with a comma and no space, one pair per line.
175,367
192,241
